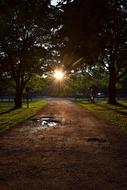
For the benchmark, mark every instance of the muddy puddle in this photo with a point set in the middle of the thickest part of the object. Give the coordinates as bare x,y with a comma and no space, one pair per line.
45,122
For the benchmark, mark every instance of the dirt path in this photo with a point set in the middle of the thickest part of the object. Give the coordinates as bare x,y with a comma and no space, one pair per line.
82,153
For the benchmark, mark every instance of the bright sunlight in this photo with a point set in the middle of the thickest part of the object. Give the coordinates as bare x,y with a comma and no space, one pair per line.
58,74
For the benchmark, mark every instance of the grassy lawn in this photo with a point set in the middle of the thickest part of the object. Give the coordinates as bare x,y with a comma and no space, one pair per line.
14,117
115,114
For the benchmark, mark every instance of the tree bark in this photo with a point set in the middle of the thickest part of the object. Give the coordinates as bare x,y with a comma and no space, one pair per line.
112,85
18,100
18,95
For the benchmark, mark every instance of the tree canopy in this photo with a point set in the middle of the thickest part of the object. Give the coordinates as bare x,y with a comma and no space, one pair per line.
97,31
24,34
78,34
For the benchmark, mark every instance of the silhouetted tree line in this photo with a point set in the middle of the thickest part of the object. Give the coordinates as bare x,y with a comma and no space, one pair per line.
97,32
79,33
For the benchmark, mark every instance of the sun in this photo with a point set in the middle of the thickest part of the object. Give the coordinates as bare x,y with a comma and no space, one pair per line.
58,74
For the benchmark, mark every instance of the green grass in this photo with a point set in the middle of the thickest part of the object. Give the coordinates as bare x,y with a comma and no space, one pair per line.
115,114
14,117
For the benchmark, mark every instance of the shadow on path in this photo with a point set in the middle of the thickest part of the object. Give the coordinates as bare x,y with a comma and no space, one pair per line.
8,111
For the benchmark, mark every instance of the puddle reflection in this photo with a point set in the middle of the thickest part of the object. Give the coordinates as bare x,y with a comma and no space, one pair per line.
45,122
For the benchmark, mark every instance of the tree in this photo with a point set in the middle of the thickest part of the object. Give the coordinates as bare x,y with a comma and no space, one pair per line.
24,34
97,31
114,45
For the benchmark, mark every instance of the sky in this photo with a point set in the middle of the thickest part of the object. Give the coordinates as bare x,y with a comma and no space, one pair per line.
54,2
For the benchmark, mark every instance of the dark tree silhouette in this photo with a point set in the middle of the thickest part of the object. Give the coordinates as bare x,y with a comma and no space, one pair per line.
24,36
97,31
114,45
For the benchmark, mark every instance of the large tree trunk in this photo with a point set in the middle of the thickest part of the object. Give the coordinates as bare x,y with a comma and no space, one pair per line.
112,85
18,100
20,85
18,95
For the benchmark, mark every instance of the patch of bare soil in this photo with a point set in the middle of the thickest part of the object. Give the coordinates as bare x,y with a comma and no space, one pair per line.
79,152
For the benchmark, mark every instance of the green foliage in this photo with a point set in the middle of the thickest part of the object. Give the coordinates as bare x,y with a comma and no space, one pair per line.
14,117
94,76
76,82
36,83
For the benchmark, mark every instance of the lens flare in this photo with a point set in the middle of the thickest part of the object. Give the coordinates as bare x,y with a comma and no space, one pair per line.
58,75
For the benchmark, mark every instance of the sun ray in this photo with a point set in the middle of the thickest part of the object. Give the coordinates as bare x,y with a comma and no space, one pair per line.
58,74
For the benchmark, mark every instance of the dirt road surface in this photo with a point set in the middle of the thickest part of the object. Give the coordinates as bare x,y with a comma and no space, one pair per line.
81,153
